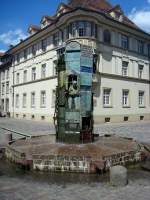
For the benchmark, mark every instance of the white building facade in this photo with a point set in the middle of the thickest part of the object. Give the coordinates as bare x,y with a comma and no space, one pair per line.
121,79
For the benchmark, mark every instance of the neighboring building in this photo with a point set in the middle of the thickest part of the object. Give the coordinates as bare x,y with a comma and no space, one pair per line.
121,79
5,67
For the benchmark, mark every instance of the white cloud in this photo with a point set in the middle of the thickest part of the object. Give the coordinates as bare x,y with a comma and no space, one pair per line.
2,50
148,1
12,37
141,18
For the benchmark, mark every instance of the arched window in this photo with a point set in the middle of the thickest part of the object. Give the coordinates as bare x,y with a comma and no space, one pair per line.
107,36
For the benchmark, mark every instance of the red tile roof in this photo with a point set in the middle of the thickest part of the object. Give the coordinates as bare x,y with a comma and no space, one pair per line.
97,4
1,54
48,17
33,27
100,5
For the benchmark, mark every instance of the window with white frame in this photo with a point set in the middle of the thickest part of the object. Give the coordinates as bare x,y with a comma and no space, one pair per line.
25,76
106,97
107,36
3,89
88,29
140,47
62,36
7,74
44,44
3,75
17,78
125,98
56,39
67,31
33,73
148,49
141,98
24,100
17,101
18,58
81,29
43,71
140,71
124,41
33,99
25,54
34,50
124,68
53,98
43,98
54,67
74,29
7,88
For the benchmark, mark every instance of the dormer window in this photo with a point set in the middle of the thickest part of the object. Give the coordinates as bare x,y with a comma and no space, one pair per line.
62,9
117,13
46,20
107,36
45,23
33,29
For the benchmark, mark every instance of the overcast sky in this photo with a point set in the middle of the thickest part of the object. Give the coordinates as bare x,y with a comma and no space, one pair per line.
17,15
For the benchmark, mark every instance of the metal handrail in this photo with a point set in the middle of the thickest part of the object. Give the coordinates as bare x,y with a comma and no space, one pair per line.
16,132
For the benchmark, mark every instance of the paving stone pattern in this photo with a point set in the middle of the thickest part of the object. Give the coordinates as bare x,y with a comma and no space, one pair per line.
25,126
24,187
12,188
138,130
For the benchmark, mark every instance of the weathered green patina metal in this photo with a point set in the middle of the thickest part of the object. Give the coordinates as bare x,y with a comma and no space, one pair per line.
74,111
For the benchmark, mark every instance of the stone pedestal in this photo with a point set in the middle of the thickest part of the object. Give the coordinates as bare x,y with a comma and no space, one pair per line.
8,137
118,176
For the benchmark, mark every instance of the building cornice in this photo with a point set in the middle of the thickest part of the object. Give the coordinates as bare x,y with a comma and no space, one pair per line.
35,81
124,78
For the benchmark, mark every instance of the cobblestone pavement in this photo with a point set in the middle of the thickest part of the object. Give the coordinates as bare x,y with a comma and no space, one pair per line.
137,130
27,188
24,126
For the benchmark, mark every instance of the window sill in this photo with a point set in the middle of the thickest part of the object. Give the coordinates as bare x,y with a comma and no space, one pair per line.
142,106
126,106
44,106
107,106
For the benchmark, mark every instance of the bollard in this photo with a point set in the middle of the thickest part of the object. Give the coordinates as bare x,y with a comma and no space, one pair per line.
118,176
8,137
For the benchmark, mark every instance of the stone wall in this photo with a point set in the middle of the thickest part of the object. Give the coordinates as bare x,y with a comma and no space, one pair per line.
61,163
122,158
